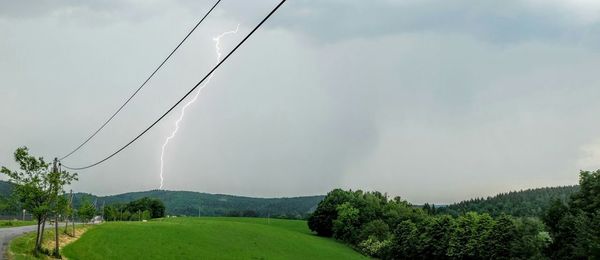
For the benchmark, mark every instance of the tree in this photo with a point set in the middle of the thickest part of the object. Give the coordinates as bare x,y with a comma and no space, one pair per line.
502,238
321,221
157,208
376,229
86,211
439,234
532,238
588,197
37,188
345,226
146,215
463,238
405,242
574,227
126,215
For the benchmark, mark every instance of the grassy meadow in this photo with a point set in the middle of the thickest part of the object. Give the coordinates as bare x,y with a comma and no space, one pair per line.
206,238
16,223
21,248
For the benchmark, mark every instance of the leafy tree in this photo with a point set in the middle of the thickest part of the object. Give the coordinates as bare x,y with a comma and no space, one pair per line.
502,238
375,229
321,221
126,215
37,188
146,215
464,238
86,211
155,206
438,235
532,238
345,226
588,197
405,242
574,227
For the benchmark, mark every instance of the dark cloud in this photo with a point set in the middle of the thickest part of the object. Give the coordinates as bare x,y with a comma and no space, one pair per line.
431,100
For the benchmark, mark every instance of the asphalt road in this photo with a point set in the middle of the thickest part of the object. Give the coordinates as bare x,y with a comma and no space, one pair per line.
6,234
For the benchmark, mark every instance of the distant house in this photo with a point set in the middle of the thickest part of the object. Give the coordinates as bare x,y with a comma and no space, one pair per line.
97,220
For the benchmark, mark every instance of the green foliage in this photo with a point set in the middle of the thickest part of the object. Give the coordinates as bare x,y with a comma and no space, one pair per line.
588,197
86,211
144,208
405,241
574,225
146,215
126,215
346,223
377,229
374,247
364,220
207,238
502,238
38,189
321,221
15,223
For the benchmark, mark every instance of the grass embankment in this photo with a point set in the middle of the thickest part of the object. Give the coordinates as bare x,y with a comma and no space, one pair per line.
22,247
16,223
207,238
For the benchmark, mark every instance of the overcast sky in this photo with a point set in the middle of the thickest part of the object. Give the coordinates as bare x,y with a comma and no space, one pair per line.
434,101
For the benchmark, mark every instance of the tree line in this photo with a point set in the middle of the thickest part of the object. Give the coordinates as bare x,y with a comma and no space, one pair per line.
392,228
524,203
142,209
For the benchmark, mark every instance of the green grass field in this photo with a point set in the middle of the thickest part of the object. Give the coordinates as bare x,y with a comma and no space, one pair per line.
206,238
15,223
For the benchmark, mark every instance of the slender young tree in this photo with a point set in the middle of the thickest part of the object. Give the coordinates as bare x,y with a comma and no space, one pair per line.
37,188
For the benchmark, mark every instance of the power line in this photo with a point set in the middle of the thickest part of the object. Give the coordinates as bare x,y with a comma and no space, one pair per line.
143,84
187,94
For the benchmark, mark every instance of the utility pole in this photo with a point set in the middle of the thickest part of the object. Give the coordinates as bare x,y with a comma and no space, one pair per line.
69,210
56,176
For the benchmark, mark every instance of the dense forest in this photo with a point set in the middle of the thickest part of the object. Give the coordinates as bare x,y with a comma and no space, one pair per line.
394,229
524,203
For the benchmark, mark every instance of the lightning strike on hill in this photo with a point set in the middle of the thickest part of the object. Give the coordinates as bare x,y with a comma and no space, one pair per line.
194,98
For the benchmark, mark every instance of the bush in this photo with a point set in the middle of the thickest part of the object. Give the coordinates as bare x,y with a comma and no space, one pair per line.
374,247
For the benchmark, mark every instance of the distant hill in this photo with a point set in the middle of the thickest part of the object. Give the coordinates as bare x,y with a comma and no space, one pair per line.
524,203
187,203
191,203
531,202
5,189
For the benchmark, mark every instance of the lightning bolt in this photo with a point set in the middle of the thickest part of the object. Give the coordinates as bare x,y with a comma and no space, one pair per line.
217,41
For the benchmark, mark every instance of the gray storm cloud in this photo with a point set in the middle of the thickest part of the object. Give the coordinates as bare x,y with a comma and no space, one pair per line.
430,100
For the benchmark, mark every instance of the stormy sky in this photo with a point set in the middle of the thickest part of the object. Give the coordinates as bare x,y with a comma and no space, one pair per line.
431,100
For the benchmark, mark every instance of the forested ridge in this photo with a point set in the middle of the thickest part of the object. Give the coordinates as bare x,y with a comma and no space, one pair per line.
523,203
188,203
193,203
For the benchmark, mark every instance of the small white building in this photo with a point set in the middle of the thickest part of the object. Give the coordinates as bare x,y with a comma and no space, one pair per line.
97,220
